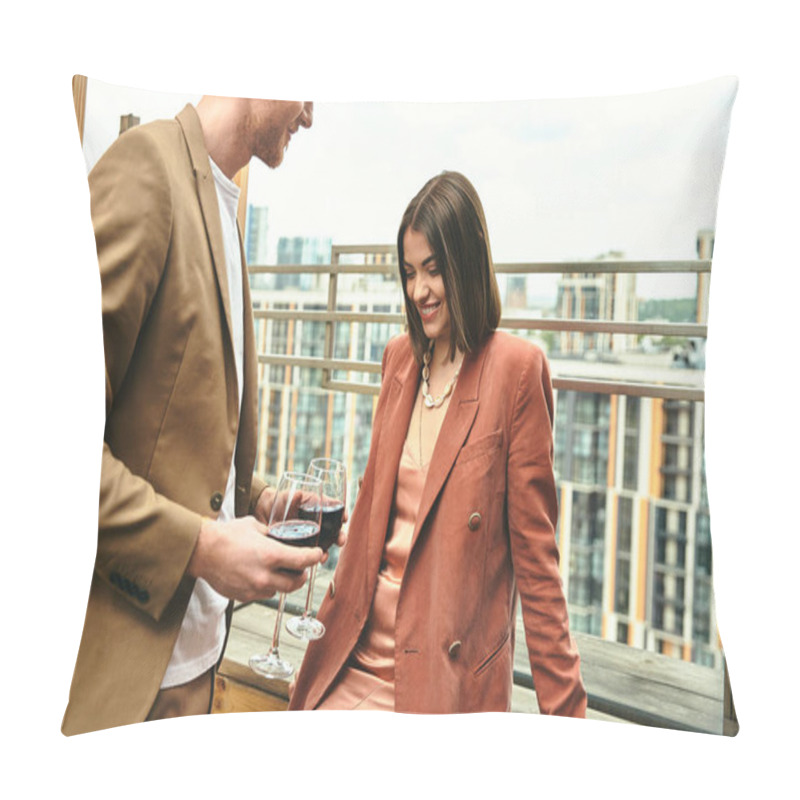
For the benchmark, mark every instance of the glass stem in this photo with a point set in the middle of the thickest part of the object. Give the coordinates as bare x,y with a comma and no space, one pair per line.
309,596
276,634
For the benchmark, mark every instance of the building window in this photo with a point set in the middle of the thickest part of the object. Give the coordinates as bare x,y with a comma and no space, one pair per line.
587,556
701,611
669,580
622,581
630,467
702,558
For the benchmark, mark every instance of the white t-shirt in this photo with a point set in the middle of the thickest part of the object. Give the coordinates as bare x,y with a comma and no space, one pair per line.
202,633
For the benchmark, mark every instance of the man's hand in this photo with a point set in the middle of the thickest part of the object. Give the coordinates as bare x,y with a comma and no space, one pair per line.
264,505
240,562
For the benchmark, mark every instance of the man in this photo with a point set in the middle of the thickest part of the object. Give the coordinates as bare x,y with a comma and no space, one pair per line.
181,517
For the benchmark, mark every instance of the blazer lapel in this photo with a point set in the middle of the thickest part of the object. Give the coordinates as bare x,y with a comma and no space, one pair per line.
248,422
207,195
454,431
399,405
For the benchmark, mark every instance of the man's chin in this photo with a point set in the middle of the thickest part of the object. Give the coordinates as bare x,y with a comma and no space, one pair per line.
273,160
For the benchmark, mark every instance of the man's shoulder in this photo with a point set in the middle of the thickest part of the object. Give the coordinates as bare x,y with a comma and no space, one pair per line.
160,135
161,142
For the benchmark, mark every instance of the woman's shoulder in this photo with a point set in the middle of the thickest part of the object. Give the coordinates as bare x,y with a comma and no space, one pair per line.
514,351
398,350
399,345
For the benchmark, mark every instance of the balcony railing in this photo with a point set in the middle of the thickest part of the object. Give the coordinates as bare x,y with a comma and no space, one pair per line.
327,363
623,682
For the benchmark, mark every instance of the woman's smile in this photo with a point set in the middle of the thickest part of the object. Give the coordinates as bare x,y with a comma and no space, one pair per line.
429,309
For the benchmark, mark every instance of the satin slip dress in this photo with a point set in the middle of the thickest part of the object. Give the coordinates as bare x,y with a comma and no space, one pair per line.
366,682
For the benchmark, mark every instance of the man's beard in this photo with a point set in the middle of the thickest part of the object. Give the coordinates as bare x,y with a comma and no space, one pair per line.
269,145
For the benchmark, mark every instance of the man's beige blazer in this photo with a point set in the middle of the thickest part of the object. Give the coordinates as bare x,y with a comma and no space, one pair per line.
172,417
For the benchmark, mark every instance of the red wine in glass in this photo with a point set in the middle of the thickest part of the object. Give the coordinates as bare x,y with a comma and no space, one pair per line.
298,533
332,514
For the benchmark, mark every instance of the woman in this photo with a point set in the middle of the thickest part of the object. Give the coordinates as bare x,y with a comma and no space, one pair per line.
457,509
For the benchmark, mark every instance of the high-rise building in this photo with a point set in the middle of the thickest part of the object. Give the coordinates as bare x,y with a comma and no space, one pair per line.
301,250
255,242
634,522
596,296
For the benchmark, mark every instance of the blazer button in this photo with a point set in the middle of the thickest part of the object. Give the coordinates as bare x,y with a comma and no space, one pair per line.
216,501
454,649
331,588
474,521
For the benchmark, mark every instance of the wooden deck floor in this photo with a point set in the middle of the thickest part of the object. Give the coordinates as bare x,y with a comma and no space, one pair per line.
624,684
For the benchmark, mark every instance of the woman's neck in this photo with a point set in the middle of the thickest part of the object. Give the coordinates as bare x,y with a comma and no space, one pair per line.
441,357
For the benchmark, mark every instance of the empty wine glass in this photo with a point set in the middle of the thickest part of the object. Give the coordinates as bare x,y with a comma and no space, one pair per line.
294,520
333,475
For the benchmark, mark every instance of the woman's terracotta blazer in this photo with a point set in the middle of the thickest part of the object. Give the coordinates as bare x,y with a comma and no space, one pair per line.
485,532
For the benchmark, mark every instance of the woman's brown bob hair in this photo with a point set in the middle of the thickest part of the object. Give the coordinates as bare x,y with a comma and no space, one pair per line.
448,213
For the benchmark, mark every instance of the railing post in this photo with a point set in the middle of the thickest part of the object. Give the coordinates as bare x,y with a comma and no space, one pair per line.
329,330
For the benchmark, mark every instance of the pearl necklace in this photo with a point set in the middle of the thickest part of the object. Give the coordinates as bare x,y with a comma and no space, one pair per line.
431,402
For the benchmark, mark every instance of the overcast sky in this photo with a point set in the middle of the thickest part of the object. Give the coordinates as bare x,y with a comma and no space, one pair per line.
559,179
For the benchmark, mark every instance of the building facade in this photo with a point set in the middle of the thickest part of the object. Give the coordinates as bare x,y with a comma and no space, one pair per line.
634,522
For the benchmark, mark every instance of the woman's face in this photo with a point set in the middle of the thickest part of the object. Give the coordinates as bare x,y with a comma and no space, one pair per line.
425,287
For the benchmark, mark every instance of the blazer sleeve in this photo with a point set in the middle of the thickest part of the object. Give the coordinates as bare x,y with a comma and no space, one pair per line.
257,486
145,540
532,517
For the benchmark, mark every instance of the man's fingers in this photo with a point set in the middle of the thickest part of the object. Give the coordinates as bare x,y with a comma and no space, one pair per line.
288,581
295,558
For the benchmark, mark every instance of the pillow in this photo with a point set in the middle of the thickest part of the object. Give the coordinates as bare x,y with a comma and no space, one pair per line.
601,213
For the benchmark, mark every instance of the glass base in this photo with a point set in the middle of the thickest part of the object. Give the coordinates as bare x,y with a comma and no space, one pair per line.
271,666
306,628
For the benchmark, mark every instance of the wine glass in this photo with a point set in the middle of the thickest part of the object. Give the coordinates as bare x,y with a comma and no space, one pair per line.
294,520
333,475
